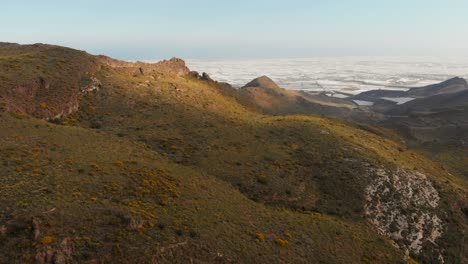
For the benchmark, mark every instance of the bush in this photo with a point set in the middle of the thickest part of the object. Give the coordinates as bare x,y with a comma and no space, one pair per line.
281,242
57,121
262,180
260,237
96,124
47,240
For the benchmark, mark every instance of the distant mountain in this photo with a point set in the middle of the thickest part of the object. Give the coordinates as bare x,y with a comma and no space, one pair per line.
432,104
441,95
262,82
374,95
453,85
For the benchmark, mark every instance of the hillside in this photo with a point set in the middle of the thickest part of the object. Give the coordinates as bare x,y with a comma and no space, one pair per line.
448,87
433,119
122,202
165,166
432,104
264,95
44,80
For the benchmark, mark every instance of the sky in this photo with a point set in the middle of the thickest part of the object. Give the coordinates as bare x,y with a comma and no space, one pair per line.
241,29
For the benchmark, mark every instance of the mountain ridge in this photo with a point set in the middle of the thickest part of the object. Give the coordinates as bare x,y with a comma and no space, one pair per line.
179,167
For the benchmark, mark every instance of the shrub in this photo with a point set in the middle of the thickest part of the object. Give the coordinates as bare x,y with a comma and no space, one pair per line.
262,180
47,240
19,115
57,121
281,242
260,237
96,124
193,234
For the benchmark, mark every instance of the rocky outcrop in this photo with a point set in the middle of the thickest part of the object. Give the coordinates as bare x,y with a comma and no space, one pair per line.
402,206
174,66
204,76
93,84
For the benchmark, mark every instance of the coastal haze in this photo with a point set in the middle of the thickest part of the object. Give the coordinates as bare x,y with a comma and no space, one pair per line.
351,75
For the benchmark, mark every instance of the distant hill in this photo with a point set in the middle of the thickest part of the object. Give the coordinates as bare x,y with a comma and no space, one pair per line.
453,85
265,95
262,82
433,104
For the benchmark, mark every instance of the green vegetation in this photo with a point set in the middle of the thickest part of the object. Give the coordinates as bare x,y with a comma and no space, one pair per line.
161,166
43,80
148,208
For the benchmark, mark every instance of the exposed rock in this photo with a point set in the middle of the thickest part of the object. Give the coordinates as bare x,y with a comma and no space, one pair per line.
401,204
36,229
175,65
94,85
206,77
43,84
51,255
195,75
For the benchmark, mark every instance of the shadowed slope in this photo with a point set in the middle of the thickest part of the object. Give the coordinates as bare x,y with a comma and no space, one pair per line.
73,195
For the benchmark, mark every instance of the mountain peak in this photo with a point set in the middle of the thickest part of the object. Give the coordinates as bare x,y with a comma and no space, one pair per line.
456,80
453,85
263,82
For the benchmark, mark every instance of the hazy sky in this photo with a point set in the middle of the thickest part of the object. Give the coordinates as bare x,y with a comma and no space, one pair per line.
143,29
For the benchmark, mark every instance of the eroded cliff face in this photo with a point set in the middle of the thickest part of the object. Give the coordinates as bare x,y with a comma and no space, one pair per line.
402,205
173,66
